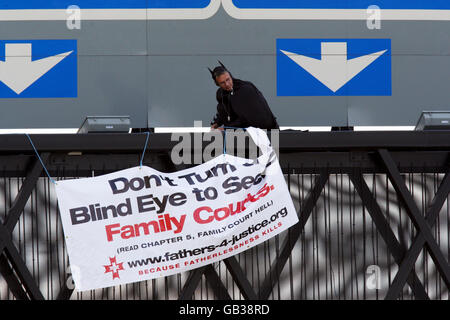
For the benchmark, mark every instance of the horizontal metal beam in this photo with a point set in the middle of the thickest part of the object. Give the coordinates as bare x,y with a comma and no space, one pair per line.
302,152
62,165
289,141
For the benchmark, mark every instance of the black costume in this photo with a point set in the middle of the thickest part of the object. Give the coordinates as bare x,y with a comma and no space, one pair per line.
243,107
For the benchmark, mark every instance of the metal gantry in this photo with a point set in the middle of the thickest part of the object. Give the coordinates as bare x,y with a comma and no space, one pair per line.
320,155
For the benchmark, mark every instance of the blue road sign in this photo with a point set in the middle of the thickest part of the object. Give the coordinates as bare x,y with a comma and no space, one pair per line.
102,4
334,67
38,68
339,4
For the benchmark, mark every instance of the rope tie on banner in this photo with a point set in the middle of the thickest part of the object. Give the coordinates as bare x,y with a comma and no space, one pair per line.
145,148
40,159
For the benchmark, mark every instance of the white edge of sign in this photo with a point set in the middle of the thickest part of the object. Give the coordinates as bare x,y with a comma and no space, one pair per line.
111,14
230,8
331,14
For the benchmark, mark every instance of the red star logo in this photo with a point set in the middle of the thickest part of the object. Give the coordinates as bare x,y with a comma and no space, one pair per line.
114,267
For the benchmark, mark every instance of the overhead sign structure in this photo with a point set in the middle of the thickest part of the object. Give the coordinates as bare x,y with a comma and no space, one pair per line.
239,9
38,68
108,10
337,9
139,223
326,67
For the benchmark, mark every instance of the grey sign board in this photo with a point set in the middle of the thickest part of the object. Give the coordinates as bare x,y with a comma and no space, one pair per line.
152,65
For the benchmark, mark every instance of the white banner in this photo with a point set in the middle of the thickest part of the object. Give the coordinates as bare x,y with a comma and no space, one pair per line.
140,223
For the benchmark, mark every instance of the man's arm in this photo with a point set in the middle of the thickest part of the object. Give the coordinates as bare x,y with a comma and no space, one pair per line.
218,119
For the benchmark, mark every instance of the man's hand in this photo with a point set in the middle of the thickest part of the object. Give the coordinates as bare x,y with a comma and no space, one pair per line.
216,126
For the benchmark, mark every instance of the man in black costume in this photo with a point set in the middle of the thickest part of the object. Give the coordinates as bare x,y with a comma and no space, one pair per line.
240,103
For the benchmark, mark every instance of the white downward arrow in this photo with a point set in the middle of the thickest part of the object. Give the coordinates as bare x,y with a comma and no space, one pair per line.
333,69
18,72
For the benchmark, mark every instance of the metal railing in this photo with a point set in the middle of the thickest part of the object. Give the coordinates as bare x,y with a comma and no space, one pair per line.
374,216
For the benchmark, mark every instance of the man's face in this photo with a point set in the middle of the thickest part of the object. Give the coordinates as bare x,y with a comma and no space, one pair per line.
225,81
